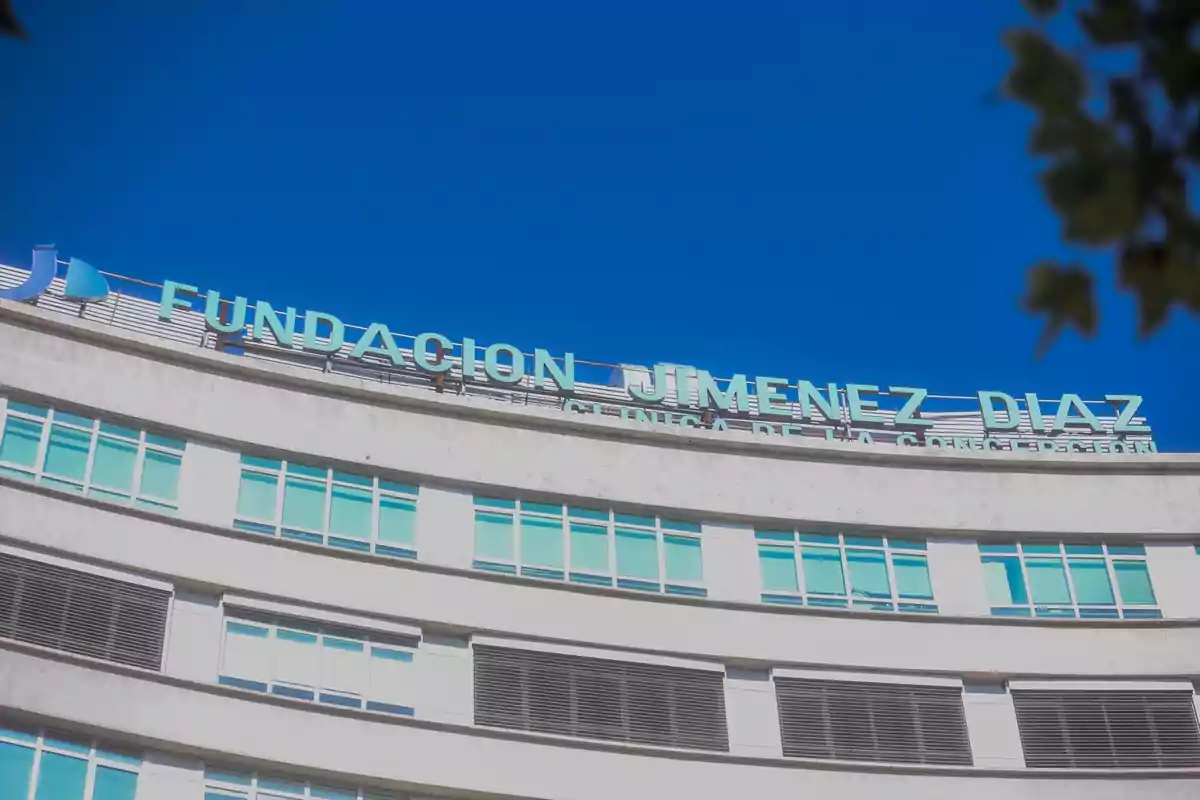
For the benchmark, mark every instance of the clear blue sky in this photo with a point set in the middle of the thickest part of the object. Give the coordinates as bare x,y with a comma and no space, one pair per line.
808,190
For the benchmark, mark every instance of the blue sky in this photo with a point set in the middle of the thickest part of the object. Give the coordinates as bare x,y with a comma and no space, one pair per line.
808,190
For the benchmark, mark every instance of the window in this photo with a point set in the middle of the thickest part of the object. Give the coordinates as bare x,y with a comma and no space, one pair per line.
78,612
593,546
44,765
599,698
1089,581
228,784
327,507
1079,729
836,571
305,661
90,457
885,722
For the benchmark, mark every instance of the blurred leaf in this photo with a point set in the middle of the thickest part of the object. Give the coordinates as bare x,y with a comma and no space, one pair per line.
1042,76
1112,22
1043,8
1063,295
1096,196
9,24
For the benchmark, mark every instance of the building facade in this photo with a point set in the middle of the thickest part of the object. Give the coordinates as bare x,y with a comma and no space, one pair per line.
225,573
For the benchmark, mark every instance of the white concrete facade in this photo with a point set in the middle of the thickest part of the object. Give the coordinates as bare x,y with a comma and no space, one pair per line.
452,448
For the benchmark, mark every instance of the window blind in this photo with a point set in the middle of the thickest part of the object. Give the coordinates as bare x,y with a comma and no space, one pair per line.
859,721
1075,729
597,698
78,612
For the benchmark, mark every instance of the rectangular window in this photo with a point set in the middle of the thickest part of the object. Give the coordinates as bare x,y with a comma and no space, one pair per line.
306,661
54,766
327,507
599,547
230,784
1087,581
90,457
829,570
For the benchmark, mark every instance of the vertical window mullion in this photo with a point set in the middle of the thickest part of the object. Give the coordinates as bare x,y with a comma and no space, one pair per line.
661,546
1031,603
89,781
43,444
798,564
518,561
847,585
612,548
1111,571
93,444
377,509
325,517
566,534
280,488
891,570
35,771
1066,568
139,461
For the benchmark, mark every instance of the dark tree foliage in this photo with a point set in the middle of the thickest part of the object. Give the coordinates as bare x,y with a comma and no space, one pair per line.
9,24
1118,126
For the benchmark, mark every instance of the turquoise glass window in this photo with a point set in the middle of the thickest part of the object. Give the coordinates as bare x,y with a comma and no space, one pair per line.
493,536
1133,581
321,506
61,777
303,504
114,784
1048,581
67,453
20,442
912,577
1068,580
114,463
542,542
683,561
16,765
160,475
589,548
868,573
823,571
637,554
397,521
1092,586
350,512
257,495
778,568
1005,582
86,455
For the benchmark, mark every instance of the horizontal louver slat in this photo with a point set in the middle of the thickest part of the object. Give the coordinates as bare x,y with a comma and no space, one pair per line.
858,721
81,613
1108,729
597,698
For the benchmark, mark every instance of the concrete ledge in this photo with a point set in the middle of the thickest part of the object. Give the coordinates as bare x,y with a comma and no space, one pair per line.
223,725
469,602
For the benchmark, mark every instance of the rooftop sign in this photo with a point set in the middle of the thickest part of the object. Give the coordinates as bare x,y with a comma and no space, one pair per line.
682,395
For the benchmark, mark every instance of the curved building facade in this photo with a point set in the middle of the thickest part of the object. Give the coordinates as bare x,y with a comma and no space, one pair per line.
233,568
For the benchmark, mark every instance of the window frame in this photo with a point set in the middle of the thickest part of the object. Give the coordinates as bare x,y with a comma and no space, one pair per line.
566,516
795,542
249,785
994,552
271,625
95,756
99,428
381,490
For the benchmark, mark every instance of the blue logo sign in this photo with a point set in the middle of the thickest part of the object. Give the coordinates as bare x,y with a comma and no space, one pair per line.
85,284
